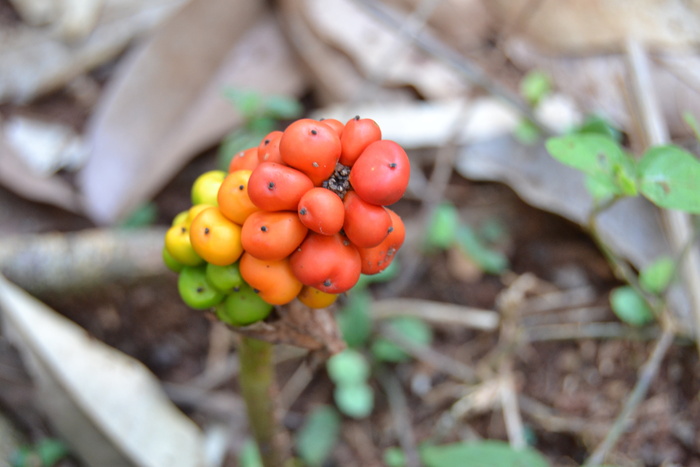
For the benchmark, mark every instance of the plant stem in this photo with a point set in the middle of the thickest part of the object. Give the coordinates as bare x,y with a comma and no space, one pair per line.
258,386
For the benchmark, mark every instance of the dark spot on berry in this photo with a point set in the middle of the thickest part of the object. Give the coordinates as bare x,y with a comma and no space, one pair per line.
271,185
357,117
390,229
315,164
263,228
392,165
183,229
314,132
200,289
241,187
267,141
256,290
236,289
302,211
206,230
327,283
346,243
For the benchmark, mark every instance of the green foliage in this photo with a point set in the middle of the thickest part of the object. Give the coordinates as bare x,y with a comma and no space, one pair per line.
144,215
489,453
253,106
261,115
489,260
249,455
445,230
412,329
600,126
599,157
535,86
692,122
442,227
354,320
386,275
526,132
630,307
394,457
354,400
44,453
670,177
656,277
318,435
348,367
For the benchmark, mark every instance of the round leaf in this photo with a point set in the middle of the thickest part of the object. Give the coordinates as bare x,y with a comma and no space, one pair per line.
670,178
630,307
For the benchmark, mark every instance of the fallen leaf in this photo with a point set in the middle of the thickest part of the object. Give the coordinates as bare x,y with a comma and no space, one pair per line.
33,61
596,26
106,405
376,54
167,103
19,178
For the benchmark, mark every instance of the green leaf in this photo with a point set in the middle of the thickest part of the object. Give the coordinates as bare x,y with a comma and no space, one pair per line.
692,122
354,400
142,216
249,455
670,178
535,86
394,457
598,125
386,275
630,307
656,277
282,107
489,453
319,434
248,102
526,132
442,227
348,367
46,452
410,328
602,187
490,261
589,153
354,320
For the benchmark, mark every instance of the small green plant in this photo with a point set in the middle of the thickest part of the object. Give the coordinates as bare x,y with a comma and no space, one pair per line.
486,453
44,453
668,176
446,231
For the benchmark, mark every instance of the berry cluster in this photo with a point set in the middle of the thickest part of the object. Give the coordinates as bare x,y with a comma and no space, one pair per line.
300,216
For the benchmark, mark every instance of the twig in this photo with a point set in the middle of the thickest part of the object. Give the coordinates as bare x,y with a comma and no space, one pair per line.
511,410
470,71
436,312
399,413
426,354
647,374
573,331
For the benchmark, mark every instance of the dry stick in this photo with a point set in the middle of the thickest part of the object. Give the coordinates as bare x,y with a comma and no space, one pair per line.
678,224
647,374
399,414
438,313
414,22
442,52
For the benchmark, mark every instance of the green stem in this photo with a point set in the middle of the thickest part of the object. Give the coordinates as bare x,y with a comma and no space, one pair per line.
258,387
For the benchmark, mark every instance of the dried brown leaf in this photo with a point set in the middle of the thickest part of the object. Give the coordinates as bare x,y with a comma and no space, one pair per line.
17,177
166,103
34,61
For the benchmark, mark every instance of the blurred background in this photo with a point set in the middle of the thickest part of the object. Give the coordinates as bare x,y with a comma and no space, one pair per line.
495,328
